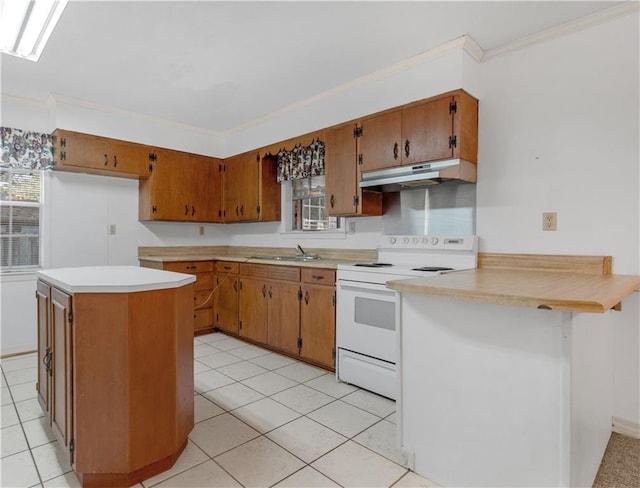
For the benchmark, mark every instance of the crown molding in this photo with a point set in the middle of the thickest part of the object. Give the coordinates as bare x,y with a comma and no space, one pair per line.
596,18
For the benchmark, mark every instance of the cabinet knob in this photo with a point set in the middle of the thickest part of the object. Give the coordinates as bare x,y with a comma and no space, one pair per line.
395,150
407,148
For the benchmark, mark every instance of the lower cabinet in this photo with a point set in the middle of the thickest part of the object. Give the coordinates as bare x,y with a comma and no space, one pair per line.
318,316
99,358
225,297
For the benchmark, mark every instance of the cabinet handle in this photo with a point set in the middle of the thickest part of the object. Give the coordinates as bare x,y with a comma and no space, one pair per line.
317,277
306,297
235,286
395,150
115,161
270,293
264,291
193,210
407,148
186,209
237,211
227,267
332,200
242,210
106,160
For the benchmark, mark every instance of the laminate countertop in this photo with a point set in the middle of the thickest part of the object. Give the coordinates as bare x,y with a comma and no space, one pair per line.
575,292
113,279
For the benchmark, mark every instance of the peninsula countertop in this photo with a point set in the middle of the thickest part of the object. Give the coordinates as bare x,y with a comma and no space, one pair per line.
575,292
113,279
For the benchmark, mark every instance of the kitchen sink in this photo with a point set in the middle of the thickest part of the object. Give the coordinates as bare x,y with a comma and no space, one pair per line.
299,259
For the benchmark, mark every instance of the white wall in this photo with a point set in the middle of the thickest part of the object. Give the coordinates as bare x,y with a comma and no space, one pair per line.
558,132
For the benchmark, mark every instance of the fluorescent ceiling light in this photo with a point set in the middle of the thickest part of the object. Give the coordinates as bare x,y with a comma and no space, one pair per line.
25,25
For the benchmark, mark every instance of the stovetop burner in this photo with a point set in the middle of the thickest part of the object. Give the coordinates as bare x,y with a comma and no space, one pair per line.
373,265
432,268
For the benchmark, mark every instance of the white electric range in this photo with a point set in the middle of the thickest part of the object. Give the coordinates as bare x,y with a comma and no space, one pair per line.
366,308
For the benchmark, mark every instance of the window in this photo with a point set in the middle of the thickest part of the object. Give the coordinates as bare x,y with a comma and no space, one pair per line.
308,205
20,196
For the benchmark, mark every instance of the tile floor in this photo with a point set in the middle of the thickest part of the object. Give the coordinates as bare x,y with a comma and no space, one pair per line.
262,420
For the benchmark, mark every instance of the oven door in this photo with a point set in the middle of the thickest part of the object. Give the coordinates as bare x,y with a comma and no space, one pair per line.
366,319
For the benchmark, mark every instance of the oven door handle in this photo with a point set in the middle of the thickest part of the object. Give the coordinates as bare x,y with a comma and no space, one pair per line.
369,287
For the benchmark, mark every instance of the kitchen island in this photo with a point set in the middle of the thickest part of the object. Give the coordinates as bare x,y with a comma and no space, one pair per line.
115,369
506,374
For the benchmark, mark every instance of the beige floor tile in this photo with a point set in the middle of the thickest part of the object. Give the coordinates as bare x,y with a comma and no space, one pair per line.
21,376
353,465
210,380
204,409
259,463
12,441
307,477
199,367
371,402
272,361
18,471
221,433
201,350
207,474
344,418
306,439
269,383
24,391
29,410
23,361
219,359
300,372
412,480
229,344
265,415
233,396
212,337
302,399
392,418
242,370
329,385
382,438
5,396
68,480
38,432
51,460
8,415
190,457
249,352
3,383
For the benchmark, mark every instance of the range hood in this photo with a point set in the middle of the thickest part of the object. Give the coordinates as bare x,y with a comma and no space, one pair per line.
419,175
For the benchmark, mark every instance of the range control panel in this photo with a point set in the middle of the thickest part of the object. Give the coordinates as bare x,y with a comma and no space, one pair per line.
459,243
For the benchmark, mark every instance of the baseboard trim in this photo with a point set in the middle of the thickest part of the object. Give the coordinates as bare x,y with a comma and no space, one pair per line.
625,427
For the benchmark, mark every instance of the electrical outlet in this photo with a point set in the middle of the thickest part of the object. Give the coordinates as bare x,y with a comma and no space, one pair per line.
352,227
549,221
112,229
201,230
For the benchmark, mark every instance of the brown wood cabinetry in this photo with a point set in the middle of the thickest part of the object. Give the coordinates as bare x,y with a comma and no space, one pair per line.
74,151
318,316
203,297
251,192
225,297
99,355
182,187
343,194
442,127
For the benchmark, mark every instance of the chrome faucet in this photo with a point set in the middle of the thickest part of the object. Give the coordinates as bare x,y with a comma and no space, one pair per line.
300,251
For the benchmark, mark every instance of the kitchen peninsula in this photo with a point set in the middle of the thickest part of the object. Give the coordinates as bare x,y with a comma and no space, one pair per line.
506,371
115,369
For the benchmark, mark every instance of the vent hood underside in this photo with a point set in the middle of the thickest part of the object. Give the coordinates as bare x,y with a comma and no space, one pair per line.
419,175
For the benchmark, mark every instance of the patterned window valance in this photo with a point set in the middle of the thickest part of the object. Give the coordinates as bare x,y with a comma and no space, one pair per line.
25,150
301,162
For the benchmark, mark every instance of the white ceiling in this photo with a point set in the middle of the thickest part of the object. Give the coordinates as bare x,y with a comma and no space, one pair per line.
218,65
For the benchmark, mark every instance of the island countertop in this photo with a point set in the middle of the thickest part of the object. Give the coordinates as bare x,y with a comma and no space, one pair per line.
575,292
113,279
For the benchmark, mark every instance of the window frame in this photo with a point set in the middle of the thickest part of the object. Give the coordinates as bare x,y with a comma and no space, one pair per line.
12,268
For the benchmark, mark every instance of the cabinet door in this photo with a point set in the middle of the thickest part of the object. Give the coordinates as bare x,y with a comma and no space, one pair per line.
43,294
163,192
380,141
341,171
226,302
241,192
80,150
253,309
426,130
62,366
126,157
205,189
318,324
283,318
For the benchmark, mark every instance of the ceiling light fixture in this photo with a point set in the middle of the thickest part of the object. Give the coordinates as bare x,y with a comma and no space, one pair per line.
25,25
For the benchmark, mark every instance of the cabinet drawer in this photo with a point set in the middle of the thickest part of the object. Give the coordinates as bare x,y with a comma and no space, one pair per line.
203,298
203,318
204,281
226,267
319,276
189,266
285,273
254,270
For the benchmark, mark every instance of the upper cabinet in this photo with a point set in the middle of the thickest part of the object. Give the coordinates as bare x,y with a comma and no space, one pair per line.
73,151
342,176
182,187
251,192
439,128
